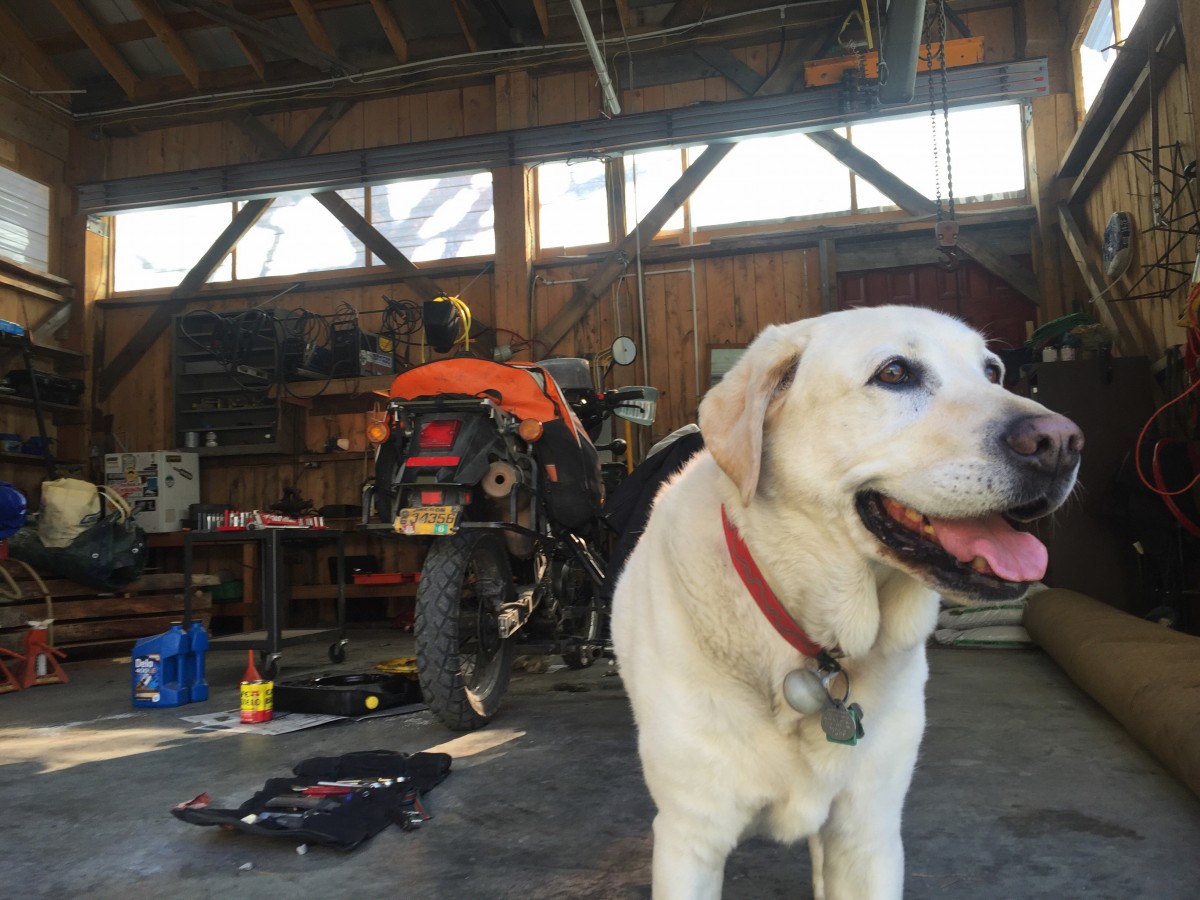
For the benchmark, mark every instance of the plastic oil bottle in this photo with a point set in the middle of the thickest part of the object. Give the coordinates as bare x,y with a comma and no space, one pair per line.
158,669
193,663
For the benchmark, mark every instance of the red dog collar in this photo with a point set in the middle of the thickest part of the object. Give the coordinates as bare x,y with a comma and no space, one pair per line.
756,584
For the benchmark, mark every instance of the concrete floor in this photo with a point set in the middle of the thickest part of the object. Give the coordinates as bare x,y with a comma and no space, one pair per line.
1025,789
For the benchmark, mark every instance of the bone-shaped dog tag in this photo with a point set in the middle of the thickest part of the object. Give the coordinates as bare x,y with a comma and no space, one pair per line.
842,724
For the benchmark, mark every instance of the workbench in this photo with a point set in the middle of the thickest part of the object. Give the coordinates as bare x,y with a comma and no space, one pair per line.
274,591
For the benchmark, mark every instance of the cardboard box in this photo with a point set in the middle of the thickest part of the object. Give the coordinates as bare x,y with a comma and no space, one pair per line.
159,485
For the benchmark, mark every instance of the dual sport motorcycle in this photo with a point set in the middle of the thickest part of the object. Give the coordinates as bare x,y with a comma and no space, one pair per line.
496,465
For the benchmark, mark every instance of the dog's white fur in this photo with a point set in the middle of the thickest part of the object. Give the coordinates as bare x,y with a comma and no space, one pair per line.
724,755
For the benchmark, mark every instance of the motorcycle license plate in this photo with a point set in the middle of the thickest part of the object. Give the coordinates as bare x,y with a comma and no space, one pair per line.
428,520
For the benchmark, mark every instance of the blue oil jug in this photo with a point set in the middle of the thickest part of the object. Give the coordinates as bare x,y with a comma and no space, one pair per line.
158,669
193,663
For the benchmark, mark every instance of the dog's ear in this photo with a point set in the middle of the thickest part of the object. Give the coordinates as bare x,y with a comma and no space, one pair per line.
733,414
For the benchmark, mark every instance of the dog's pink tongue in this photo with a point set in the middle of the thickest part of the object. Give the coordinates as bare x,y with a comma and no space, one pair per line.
1013,555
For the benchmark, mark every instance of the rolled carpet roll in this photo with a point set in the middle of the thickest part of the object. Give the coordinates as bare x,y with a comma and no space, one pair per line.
1146,675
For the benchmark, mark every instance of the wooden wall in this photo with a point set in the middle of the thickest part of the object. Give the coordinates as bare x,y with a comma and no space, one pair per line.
1149,324
34,142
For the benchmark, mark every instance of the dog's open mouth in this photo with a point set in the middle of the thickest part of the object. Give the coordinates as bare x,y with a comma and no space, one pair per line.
984,558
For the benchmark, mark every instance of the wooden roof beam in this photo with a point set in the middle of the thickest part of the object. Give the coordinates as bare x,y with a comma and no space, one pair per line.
85,26
37,58
391,28
139,29
313,28
248,26
625,15
543,16
468,31
684,12
917,204
170,38
158,321
249,50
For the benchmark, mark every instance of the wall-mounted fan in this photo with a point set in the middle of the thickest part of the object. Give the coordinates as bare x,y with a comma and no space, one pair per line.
1117,248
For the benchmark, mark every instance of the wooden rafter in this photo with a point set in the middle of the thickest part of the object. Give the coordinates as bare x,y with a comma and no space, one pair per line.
468,31
684,12
735,71
158,321
112,60
625,15
38,59
170,38
313,28
248,26
391,28
254,56
917,204
543,16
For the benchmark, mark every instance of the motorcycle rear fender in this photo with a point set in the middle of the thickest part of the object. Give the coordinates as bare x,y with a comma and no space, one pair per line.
476,443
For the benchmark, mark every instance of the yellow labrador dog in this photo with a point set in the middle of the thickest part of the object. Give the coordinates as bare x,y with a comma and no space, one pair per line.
770,625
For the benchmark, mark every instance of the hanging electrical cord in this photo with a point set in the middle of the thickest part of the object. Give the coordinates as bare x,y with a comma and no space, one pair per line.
1193,333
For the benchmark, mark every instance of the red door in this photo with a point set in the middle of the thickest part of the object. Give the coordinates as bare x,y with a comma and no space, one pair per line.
971,293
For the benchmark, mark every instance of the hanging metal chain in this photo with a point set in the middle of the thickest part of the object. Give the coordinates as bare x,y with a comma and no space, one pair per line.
937,170
946,228
941,21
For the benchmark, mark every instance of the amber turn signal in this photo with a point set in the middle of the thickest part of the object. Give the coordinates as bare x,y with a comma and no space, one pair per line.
530,430
378,432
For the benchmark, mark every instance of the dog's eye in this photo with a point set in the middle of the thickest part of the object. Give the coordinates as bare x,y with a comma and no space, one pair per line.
992,371
894,371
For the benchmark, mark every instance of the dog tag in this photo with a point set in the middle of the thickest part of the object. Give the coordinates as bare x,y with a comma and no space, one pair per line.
804,691
842,724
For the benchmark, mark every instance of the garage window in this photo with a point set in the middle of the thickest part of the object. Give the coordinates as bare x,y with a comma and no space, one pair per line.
771,179
987,155
24,220
787,177
1096,48
426,219
572,204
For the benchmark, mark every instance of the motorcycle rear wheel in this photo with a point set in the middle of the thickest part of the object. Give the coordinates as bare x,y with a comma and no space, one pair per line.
463,664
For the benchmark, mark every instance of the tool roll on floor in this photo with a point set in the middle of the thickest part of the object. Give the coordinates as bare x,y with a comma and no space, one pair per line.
1147,676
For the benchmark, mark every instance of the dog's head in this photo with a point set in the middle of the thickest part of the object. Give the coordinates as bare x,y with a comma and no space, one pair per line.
893,423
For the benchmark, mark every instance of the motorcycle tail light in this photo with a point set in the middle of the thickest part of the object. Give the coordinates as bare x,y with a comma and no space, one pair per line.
432,498
530,430
378,432
439,435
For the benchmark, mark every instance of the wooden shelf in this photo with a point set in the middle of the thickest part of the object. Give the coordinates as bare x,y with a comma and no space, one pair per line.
338,395
29,459
62,414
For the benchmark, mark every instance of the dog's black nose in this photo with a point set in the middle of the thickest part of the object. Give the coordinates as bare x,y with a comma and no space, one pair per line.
1049,443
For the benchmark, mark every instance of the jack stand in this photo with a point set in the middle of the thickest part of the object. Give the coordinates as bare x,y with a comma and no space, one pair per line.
40,655
8,681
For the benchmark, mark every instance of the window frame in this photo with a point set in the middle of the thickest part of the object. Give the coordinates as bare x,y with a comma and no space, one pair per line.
372,264
50,222
1120,31
619,200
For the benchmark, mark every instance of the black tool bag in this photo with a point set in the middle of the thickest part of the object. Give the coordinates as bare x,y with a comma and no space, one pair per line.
341,821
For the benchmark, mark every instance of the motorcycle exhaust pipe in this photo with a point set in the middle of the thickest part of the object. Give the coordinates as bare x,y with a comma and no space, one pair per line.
500,479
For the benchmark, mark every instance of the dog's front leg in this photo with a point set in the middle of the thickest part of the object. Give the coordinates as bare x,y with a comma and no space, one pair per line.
685,866
859,851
